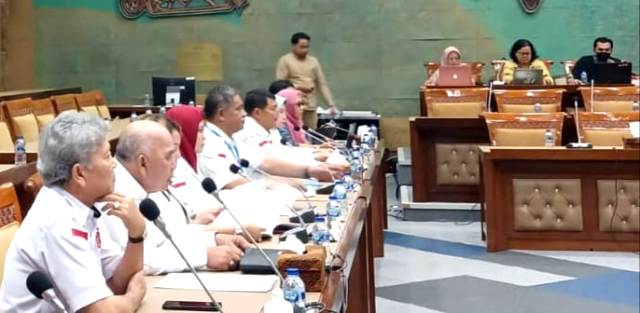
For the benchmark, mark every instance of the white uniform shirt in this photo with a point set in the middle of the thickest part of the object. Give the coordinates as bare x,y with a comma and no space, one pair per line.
60,237
186,186
219,152
159,255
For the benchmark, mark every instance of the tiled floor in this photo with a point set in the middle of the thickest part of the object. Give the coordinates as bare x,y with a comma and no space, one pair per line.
443,267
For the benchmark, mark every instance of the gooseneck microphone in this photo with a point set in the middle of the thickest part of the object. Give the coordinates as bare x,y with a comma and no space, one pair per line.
210,187
151,212
313,131
309,134
41,287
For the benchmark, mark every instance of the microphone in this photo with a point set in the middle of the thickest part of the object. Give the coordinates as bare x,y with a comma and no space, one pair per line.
41,287
310,134
151,212
284,142
307,216
307,129
579,144
350,135
210,187
591,96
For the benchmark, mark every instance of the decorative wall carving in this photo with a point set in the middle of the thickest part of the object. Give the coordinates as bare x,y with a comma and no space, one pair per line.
132,9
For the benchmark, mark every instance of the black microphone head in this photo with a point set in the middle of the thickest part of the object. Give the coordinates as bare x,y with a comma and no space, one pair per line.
244,163
208,185
283,141
305,127
37,283
149,209
234,168
296,128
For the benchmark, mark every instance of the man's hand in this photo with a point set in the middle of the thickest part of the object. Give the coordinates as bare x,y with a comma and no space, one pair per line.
223,258
235,241
321,173
126,210
206,217
255,231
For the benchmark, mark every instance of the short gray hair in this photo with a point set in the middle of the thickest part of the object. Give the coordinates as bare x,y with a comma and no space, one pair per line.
219,98
70,139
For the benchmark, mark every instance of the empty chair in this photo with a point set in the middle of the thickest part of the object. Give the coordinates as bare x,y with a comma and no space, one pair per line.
610,99
24,123
44,111
101,102
455,103
523,129
6,139
64,103
87,102
606,129
10,218
529,101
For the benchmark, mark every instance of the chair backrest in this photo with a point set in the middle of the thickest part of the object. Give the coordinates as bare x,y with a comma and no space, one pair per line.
567,66
44,111
524,101
33,184
430,68
610,99
524,129
64,103
22,120
455,103
6,235
476,69
9,205
103,108
606,129
548,64
6,137
87,103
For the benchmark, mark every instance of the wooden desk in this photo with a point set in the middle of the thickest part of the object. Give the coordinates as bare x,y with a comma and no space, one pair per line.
579,178
18,175
125,110
351,289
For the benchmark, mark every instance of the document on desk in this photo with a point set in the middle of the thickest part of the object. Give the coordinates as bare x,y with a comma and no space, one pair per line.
225,282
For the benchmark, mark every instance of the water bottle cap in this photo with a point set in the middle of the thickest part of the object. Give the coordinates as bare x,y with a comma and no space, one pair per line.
319,218
293,271
333,196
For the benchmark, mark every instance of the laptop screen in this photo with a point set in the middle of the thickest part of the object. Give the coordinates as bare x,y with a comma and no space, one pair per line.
527,77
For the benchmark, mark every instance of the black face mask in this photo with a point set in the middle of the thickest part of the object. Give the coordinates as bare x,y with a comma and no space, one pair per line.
603,56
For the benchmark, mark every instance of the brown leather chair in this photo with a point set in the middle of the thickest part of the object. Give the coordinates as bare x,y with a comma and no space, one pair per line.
33,184
524,129
65,103
610,99
498,66
87,103
44,111
101,103
9,205
6,236
524,101
567,66
455,103
22,120
606,129
6,137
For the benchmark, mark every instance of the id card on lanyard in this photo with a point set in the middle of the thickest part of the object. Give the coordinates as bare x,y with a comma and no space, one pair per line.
230,145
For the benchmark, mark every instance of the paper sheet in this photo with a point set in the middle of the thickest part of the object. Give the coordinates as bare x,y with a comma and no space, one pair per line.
635,129
230,282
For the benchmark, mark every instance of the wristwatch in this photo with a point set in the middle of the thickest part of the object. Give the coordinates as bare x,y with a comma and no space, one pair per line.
139,239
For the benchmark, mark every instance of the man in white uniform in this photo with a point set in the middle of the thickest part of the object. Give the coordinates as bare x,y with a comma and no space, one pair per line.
224,114
64,236
146,158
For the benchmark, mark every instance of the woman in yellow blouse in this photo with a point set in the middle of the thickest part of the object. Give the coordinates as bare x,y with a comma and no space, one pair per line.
524,56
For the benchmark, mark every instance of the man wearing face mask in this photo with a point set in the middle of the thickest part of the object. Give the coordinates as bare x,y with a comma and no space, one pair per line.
602,48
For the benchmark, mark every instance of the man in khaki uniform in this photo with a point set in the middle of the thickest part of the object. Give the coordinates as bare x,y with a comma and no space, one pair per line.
304,71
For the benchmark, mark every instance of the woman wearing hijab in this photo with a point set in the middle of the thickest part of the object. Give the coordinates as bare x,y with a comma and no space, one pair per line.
524,56
451,56
189,118
292,106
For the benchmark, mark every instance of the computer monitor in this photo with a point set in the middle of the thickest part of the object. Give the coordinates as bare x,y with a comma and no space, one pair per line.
527,77
180,90
611,73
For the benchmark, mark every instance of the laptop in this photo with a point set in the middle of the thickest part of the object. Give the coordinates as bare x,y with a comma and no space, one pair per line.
527,77
611,73
460,75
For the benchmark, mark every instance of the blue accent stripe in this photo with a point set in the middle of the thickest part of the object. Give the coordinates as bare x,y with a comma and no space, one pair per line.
620,287
433,245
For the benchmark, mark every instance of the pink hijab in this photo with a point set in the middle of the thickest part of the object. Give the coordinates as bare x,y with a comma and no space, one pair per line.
292,99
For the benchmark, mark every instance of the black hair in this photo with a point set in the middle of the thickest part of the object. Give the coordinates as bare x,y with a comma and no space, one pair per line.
298,36
256,99
519,44
602,40
278,85
218,98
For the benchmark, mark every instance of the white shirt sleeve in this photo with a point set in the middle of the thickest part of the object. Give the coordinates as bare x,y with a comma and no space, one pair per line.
76,267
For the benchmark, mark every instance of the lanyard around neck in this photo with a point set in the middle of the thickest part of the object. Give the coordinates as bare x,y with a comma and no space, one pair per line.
230,145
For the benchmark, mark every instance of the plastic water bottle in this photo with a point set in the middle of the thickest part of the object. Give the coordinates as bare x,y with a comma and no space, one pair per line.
548,138
147,100
537,108
333,210
340,192
584,78
294,290
21,152
320,233
134,116
374,134
635,106
348,182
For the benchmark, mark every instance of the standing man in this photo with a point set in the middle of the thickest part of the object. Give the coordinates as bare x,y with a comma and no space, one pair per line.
602,50
304,71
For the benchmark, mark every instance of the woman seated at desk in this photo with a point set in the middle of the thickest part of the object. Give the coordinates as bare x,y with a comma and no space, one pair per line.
524,56
451,56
